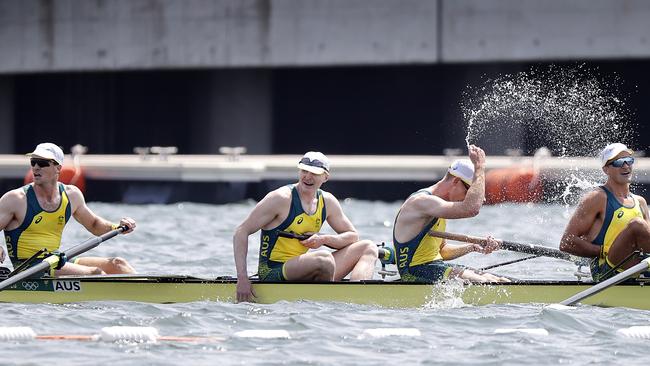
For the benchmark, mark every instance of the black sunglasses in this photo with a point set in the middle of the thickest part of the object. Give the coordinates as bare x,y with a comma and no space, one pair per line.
43,163
621,161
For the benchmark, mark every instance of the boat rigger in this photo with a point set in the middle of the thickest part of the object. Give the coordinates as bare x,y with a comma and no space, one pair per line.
395,294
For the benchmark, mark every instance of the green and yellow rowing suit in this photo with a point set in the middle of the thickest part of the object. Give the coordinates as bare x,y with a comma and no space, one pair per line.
617,217
40,229
419,259
276,250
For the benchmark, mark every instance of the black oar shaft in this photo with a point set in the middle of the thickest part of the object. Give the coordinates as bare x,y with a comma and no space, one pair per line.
535,249
632,271
53,259
507,245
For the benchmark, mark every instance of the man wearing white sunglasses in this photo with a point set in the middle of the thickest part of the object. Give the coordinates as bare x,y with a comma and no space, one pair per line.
610,223
290,219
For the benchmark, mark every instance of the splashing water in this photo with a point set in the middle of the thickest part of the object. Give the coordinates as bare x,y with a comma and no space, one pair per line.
571,110
574,111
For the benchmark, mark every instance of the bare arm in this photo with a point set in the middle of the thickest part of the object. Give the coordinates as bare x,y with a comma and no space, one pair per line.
9,203
644,208
345,235
88,219
474,198
453,251
263,214
574,240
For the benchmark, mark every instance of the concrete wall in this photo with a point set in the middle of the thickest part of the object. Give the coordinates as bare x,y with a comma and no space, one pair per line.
153,34
512,30
74,35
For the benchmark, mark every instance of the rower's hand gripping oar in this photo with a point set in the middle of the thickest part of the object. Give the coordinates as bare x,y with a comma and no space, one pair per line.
52,261
509,245
632,271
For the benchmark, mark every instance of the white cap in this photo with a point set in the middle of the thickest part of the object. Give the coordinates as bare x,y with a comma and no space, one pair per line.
48,150
463,169
315,162
610,151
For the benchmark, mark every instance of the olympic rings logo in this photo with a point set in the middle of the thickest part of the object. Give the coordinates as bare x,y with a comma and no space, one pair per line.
30,286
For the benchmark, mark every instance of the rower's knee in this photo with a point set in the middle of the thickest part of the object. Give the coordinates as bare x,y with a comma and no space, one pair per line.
369,249
637,224
95,271
120,265
324,265
119,262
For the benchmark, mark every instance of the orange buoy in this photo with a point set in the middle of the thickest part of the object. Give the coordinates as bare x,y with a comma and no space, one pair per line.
69,175
515,184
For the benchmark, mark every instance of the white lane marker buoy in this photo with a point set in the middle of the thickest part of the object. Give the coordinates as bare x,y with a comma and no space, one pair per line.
263,333
388,332
532,331
638,331
129,334
16,334
108,334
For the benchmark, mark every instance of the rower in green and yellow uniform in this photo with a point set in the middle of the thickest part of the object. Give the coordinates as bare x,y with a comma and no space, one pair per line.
460,194
302,208
33,218
610,223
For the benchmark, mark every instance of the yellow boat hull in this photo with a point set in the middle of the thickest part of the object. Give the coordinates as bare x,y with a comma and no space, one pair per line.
173,289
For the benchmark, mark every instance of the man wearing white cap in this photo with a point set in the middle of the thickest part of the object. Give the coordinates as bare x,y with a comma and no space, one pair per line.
301,209
460,194
610,223
33,218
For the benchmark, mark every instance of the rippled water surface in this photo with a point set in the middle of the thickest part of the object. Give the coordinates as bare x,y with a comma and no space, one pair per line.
195,239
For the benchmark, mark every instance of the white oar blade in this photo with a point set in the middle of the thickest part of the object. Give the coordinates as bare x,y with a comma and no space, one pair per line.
531,331
390,332
264,333
639,332
16,334
129,334
560,307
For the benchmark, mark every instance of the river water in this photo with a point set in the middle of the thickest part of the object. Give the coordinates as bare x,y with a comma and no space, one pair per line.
195,239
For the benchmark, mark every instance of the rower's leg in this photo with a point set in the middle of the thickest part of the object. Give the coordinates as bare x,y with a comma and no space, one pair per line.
114,265
70,269
635,236
358,259
314,266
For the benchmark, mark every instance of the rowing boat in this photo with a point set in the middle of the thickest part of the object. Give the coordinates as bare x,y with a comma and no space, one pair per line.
173,289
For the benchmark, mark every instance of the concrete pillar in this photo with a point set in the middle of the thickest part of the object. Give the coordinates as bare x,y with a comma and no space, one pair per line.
6,115
232,108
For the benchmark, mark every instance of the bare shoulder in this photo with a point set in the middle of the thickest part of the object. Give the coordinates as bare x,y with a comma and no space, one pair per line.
279,194
594,196
423,202
592,202
74,193
14,196
642,200
276,200
329,197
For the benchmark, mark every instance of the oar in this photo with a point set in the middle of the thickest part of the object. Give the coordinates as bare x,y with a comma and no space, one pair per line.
509,245
53,260
632,271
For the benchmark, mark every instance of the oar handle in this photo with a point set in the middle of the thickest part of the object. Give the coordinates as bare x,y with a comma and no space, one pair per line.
286,234
507,245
